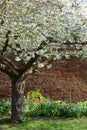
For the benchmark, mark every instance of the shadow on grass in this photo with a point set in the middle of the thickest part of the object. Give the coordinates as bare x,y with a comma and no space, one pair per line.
4,120
44,124
33,124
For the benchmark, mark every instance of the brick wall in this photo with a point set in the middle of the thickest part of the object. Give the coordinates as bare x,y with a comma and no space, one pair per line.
5,86
66,80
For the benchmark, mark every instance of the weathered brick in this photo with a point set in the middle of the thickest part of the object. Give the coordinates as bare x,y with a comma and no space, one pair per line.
66,80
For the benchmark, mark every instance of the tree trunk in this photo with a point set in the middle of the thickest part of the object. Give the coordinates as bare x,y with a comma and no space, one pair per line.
17,102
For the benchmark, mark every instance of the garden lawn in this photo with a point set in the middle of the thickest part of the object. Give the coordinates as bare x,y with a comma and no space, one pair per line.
46,124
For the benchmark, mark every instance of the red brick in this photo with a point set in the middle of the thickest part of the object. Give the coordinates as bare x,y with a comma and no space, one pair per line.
66,80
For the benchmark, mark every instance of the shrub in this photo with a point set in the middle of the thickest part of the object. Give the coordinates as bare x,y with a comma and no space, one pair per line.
56,108
50,108
83,107
5,106
35,95
70,110
36,107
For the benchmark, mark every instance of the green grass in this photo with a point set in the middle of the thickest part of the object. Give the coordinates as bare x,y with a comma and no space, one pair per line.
46,124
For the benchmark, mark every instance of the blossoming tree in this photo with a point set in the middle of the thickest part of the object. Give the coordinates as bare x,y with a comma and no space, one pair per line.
36,32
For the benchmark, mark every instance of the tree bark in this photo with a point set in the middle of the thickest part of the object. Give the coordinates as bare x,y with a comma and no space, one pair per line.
17,102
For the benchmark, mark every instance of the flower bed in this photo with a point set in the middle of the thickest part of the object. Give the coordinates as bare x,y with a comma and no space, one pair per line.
38,106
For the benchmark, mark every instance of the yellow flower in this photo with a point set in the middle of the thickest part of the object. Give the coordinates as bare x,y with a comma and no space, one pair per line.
25,111
24,96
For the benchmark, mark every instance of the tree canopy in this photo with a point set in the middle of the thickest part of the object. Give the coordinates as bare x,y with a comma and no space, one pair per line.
59,26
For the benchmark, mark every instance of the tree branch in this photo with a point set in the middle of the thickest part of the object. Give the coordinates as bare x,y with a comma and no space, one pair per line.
6,42
32,60
54,40
4,69
74,43
2,22
7,64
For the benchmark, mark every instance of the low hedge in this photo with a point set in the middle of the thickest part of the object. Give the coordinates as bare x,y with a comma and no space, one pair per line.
47,108
55,109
